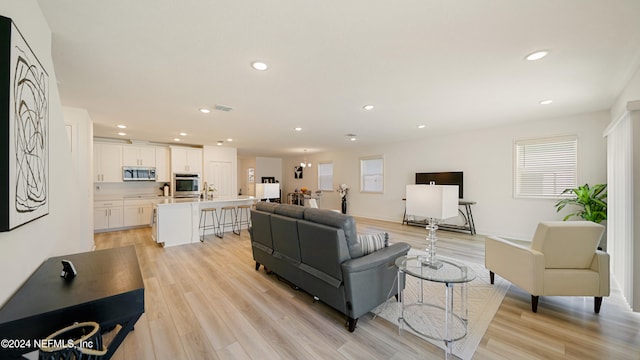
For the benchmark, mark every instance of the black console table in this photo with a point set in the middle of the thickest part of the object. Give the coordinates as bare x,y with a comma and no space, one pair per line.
108,290
467,215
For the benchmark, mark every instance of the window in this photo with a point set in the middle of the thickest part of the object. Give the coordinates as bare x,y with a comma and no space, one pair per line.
372,174
545,167
325,176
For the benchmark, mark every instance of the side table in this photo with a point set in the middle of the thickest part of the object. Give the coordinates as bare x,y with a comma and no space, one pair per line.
451,273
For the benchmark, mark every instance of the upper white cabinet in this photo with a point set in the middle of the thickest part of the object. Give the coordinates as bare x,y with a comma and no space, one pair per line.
186,160
139,155
107,162
163,164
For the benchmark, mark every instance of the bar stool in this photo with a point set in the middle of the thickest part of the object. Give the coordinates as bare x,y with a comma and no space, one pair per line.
203,221
243,214
223,221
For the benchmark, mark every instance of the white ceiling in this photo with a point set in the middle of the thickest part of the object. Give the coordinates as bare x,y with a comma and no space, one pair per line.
452,65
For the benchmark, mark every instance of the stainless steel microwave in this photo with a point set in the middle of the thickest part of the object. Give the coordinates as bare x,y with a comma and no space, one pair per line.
136,173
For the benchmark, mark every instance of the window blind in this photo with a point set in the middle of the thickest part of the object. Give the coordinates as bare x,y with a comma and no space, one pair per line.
325,176
372,175
545,167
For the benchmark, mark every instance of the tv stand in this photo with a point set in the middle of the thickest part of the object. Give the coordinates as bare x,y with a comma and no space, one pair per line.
467,215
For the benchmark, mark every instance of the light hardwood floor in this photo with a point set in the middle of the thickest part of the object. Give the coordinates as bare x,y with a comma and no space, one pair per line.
206,301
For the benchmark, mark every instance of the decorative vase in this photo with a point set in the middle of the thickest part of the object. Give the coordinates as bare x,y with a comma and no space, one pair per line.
344,204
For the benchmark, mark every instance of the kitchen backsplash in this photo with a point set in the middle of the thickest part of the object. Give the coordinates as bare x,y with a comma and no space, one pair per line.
130,188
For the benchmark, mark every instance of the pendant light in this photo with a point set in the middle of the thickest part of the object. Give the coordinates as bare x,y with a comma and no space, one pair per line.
305,163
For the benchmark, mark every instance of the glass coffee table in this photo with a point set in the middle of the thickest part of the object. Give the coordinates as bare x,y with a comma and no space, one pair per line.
432,320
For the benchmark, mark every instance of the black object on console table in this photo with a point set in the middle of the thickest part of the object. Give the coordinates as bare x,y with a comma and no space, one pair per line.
108,289
467,215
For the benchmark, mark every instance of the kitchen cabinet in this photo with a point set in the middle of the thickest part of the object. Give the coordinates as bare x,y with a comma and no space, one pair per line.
107,215
186,160
218,175
139,155
107,162
137,212
163,164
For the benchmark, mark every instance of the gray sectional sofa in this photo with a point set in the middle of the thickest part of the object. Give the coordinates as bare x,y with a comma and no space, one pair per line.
318,251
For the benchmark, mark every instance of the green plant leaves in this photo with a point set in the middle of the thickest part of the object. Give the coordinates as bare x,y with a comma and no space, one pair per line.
590,201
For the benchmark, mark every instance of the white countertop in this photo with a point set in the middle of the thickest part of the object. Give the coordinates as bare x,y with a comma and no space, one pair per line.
171,200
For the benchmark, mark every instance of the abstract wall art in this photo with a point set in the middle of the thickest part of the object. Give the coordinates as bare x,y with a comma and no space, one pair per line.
24,131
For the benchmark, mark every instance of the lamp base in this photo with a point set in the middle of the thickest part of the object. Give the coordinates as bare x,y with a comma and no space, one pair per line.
435,264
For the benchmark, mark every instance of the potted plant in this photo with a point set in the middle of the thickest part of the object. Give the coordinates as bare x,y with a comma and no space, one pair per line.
590,204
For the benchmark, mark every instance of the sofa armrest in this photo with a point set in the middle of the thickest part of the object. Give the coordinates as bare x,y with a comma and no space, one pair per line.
520,265
376,258
600,264
371,279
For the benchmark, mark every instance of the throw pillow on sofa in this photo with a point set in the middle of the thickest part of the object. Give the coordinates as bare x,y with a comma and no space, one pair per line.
373,242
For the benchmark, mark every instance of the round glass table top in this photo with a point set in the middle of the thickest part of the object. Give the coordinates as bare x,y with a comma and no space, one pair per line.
450,272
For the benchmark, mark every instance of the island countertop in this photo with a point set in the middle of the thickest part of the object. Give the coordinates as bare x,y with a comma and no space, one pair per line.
213,201
177,220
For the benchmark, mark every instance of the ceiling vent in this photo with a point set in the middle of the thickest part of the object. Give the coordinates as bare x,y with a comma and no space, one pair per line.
223,108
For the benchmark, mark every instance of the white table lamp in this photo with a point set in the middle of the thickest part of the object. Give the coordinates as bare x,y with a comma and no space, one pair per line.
434,202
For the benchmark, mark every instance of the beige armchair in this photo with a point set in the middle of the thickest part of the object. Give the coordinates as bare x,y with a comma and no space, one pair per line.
562,261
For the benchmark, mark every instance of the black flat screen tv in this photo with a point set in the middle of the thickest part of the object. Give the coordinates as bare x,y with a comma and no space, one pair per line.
442,178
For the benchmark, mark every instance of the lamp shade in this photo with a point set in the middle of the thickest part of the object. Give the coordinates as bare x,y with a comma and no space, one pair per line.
432,201
267,190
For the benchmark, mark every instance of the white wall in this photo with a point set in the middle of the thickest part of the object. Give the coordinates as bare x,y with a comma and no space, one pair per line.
631,92
244,164
78,124
485,157
67,227
269,167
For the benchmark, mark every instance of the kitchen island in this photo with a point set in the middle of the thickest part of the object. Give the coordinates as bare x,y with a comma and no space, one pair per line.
177,220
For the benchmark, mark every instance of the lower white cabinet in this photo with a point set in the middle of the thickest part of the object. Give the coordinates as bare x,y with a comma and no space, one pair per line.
137,214
107,215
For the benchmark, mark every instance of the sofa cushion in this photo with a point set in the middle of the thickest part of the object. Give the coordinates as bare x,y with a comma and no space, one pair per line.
292,211
373,242
266,206
340,221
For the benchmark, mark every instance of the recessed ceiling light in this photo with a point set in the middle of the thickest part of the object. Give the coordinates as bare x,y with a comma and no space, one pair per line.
122,133
537,55
122,126
229,139
260,66
220,142
183,134
204,110
546,102
421,126
298,129
176,139
352,137
368,107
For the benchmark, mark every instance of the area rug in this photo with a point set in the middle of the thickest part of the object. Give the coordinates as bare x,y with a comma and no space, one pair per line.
484,300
